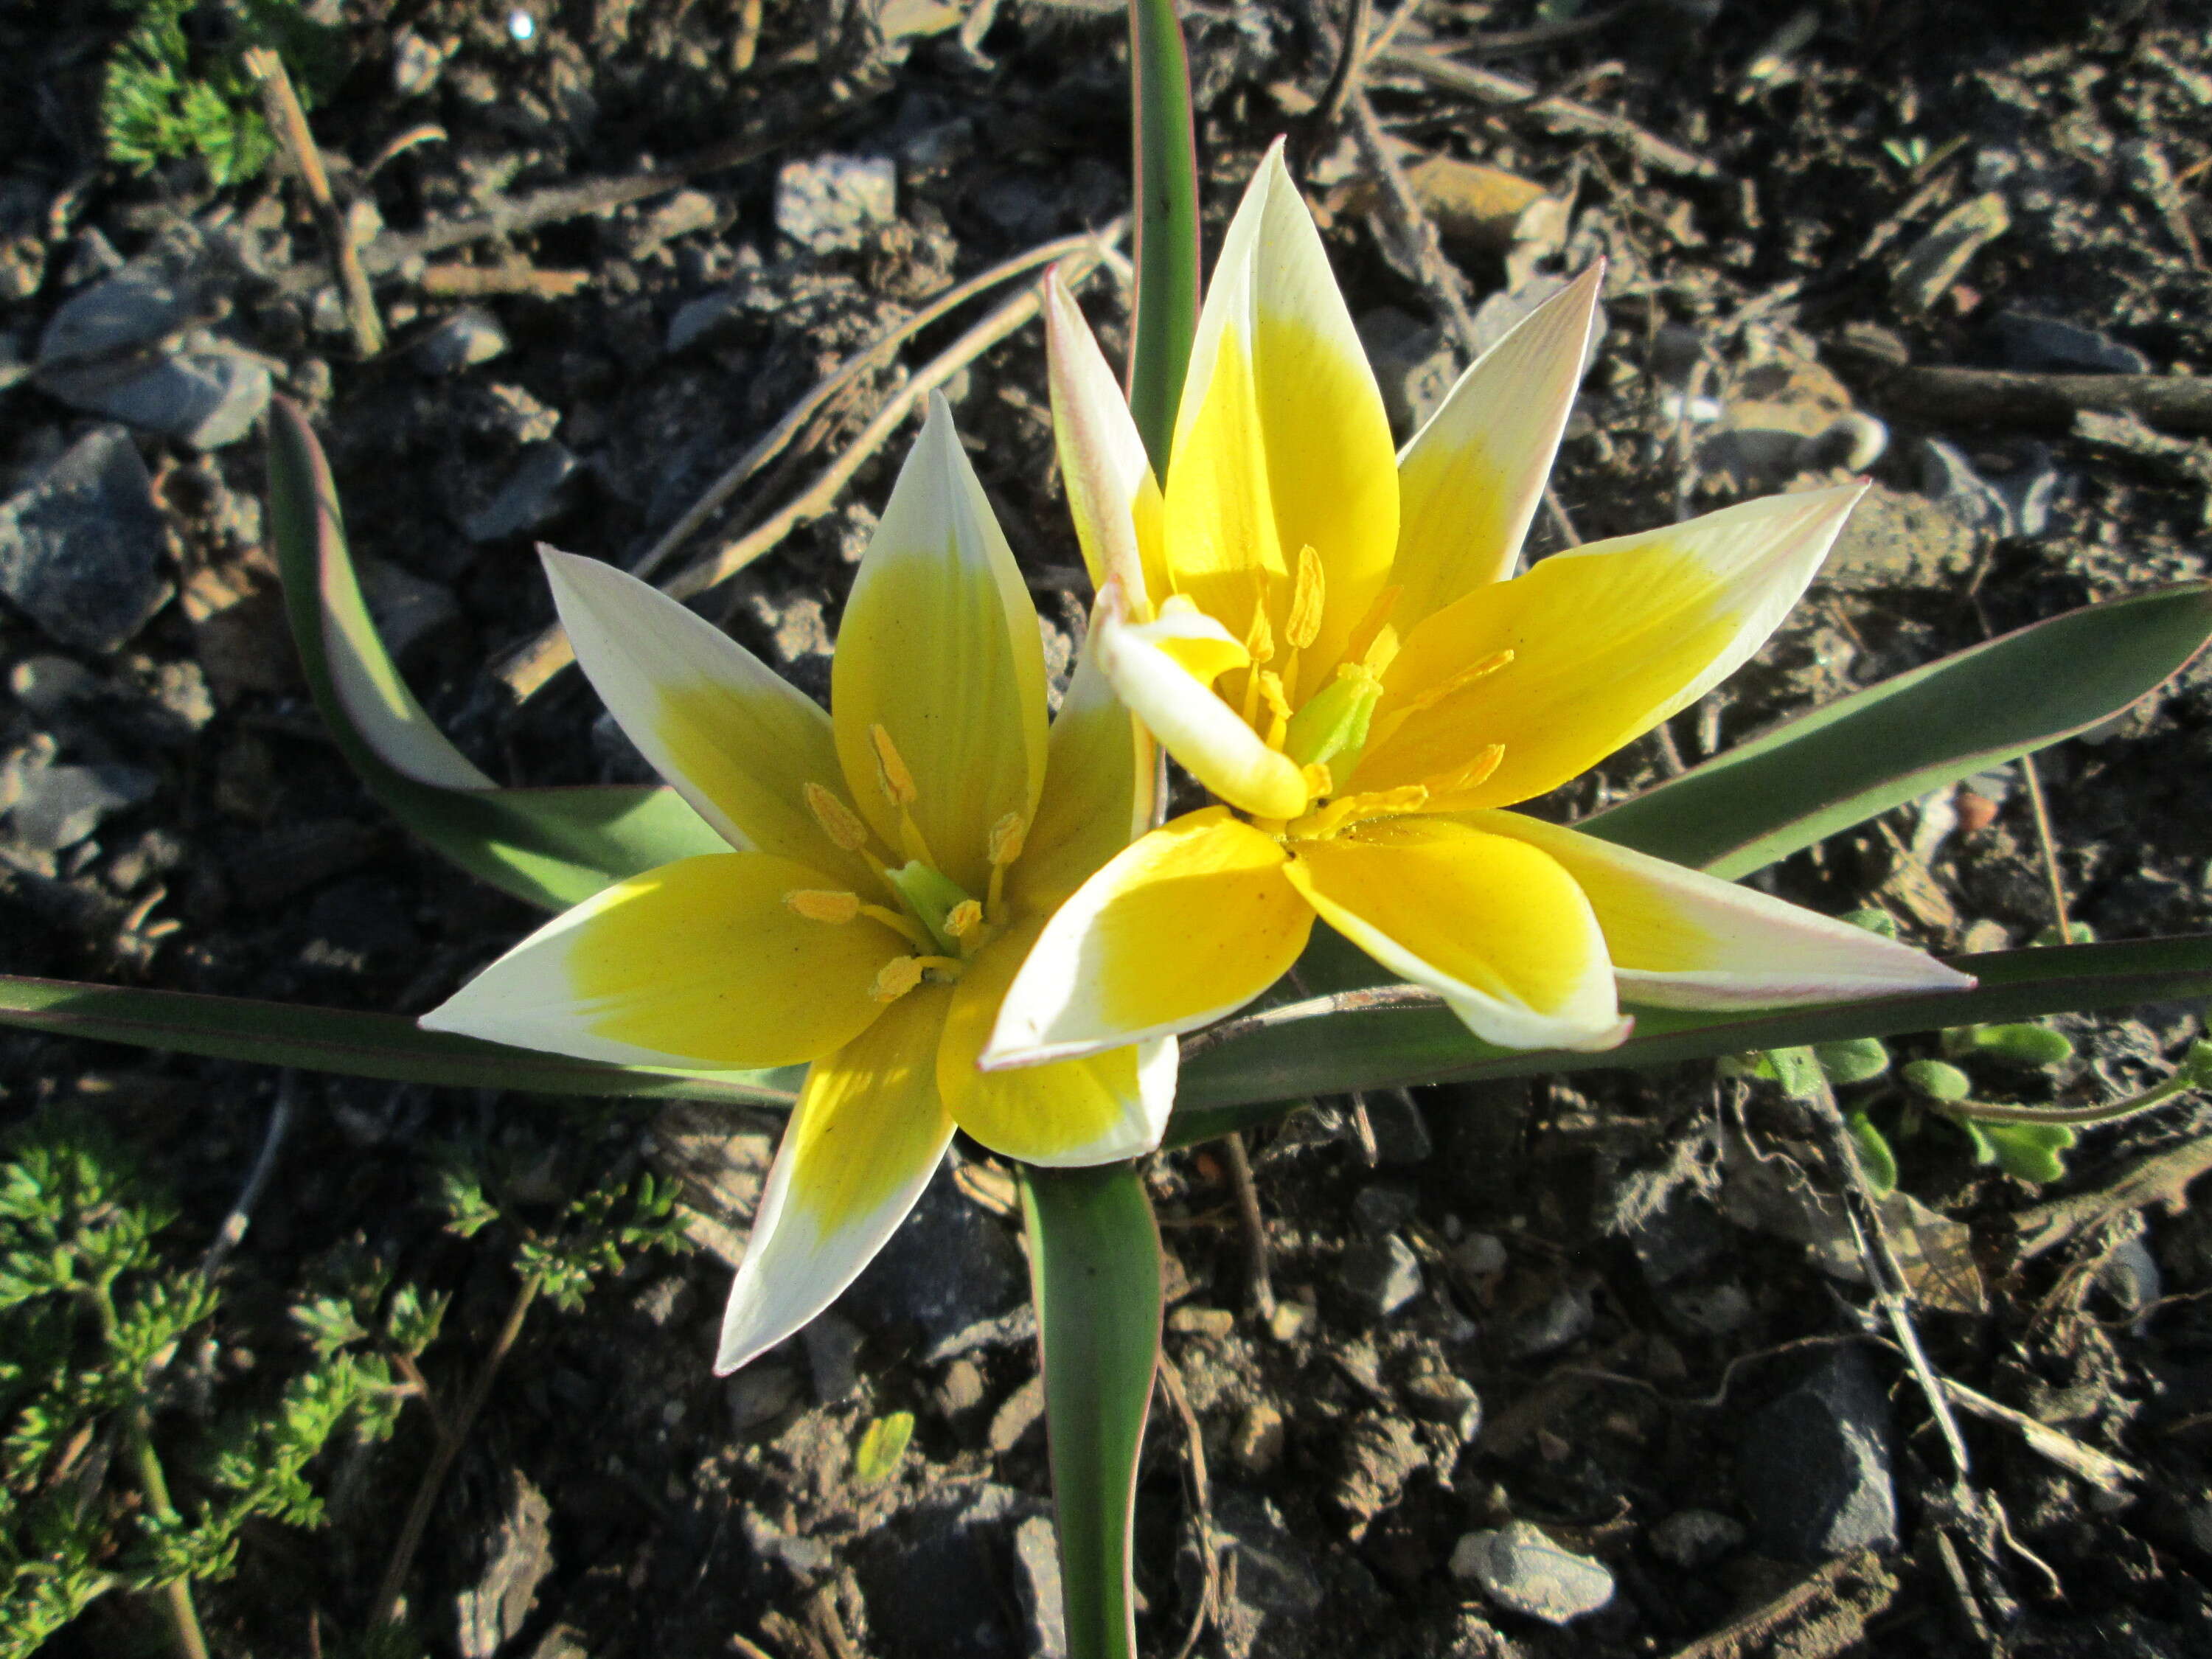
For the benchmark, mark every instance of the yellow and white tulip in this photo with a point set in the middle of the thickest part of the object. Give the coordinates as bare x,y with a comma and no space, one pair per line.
1332,639
892,863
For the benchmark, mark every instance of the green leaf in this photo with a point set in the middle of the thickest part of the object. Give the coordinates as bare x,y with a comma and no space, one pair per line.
1237,1082
1874,1156
1892,743
388,1046
1852,1060
883,1441
552,848
1167,224
1095,1272
2033,1152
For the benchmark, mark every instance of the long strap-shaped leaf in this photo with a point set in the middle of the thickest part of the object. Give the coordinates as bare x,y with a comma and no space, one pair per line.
1894,742
388,1046
1095,1272
1244,1081
1167,223
551,847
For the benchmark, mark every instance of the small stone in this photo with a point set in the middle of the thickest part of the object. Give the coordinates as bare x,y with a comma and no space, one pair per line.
1941,257
1984,936
832,202
2032,341
1480,1255
1380,1454
686,211
1712,1309
1273,1576
1037,1588
61,806
81,547
488,1615
534,495
833,1353
204,398
1815,1466
1525,1571
1382,1207
1258,1445
2130,1276
1380,1274
1696,1538
470,336
415,63
1893,541
1212,1324
1022,1410
1291,1321
1441,1397
1566,1315
46,684
961,1389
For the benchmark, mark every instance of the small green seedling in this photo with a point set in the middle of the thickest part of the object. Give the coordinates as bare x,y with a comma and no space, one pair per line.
2035,1047
1856,1060
882,1444
177,86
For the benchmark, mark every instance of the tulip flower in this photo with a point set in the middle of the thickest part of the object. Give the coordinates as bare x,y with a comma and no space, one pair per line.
1331,638
891,865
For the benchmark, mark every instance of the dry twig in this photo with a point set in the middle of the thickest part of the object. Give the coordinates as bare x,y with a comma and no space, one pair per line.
1258,1284
288,122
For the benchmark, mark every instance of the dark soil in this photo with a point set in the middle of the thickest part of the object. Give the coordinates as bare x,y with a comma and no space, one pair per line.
1623,1336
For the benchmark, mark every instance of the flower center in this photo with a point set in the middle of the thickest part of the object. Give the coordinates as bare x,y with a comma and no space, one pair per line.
945,924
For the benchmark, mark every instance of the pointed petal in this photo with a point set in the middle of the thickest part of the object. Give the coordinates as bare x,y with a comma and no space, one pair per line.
1469,480
698,963
1280,439
939,647
1607,640
735,738
1111,493
1192,922
1208,736
866,1135
1099,789
1072,1112
1494,926
1680,938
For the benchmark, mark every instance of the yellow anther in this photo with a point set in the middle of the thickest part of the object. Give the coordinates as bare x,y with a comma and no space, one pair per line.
1319,784
1472,775
1364,631
823,904
891,775
838,821
1358,809
1382,651
1259,637
1306,600
963,919
896,978
1452,684
1279,708
1008,835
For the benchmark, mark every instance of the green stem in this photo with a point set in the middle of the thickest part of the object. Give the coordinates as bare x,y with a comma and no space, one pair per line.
1166,153
138,1425
2180,1084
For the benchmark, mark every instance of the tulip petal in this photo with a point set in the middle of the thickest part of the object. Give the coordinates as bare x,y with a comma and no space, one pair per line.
1494,926
1680,938
1280,442
698,963
1606,641
1100,783
866,1135
1469,480
939,647
1190,923
735,738
1111,493
1208,736
1072,1112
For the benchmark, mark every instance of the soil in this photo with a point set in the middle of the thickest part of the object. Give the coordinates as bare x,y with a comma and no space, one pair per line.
1632,1337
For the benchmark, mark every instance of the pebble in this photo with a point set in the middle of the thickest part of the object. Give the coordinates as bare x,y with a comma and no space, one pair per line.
1258,1445
61,806
1814,1467
45,684
1037,1588
1525,1571
81,546
1696,1538
1382,1207
1480,1254
961,1389
2031,342
534,495
831,201
1380,1274
415,64
1212,1324
488,1614
1440,1397
1022,1410
470,336
1565,1317
1712,1309
204,398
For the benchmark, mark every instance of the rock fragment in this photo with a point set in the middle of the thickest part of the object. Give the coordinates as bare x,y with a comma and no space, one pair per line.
81,546
1522,1571
1815,1466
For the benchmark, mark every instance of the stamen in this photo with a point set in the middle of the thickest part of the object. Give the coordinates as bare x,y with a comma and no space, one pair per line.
965,920
823,904
1279,706
1382,651
838,821
1008,835
1259,637
896,978
1451,684
901,924
1472,775
1319,784
1358,809
891,775
1306,600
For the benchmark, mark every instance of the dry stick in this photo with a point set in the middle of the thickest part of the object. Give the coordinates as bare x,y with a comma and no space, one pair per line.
1257,1284
1489,87
1291,1014
2047,842
1350,56
289,123
876,353
529,668
2018,398
477,281
1209,1601
233,1231
385,1609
